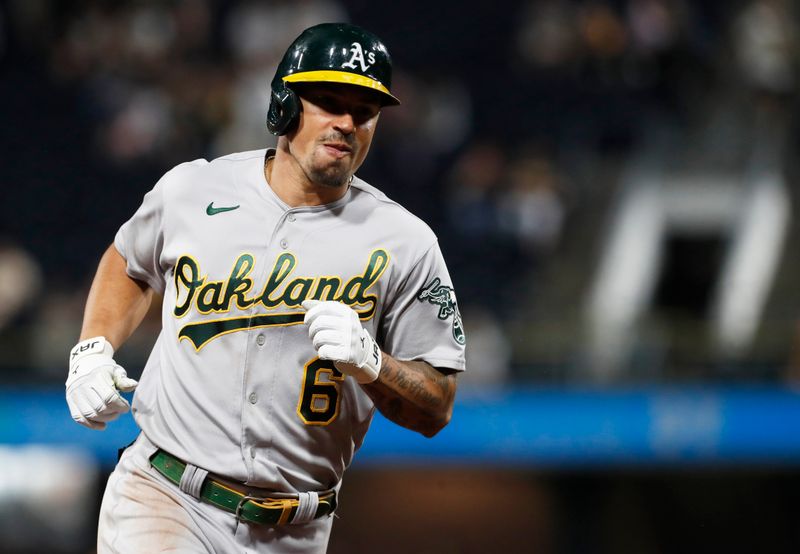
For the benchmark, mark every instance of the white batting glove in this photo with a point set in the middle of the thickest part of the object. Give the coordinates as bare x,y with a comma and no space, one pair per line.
337,334
94,382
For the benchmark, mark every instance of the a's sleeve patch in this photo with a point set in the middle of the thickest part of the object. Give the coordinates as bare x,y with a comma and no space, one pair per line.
444,298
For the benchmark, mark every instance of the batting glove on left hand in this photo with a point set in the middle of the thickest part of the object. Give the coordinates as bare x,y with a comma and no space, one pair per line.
94,383
337,334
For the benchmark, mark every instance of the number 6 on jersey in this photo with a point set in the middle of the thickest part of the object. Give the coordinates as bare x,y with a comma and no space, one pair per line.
319,399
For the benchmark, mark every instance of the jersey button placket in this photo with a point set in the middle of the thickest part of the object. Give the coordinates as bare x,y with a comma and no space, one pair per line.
284,244
261,339
253,398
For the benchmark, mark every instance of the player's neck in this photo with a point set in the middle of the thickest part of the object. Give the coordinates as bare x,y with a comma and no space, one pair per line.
291,185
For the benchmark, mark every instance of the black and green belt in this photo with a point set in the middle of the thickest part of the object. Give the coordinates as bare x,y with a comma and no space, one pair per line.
265,511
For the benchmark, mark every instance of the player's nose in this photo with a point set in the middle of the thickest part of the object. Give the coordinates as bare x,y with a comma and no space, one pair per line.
344,123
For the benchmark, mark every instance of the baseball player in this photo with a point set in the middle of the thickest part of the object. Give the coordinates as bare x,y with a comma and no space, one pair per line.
297,300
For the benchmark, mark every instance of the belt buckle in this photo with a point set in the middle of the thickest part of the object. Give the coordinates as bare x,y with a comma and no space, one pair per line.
240,505
286,508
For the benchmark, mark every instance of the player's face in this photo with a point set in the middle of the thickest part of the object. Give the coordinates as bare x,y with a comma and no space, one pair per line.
335,131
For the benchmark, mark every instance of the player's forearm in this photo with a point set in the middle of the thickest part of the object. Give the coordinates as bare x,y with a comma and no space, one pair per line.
116,304
414,395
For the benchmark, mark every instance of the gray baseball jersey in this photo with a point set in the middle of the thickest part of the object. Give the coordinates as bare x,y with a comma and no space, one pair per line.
233,384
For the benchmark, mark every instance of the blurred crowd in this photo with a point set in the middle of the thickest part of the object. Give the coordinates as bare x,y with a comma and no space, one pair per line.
516,126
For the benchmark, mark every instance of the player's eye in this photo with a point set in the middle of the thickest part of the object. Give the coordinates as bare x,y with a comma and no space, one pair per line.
363,113
329,103
336,104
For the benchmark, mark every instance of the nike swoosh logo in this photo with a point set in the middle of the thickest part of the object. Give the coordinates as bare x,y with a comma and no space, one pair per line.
211,210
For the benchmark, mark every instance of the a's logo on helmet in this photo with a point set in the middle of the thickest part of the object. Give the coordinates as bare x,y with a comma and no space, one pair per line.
357,55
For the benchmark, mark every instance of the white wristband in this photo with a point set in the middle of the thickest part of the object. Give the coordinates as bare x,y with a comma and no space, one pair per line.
94,345
371,366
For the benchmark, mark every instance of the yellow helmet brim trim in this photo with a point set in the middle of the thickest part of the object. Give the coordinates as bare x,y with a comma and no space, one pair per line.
328,76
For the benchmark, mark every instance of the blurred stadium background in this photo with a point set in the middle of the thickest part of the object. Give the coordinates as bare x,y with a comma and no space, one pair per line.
614,187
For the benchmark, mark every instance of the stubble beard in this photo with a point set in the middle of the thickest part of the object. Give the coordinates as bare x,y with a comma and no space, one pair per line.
332,175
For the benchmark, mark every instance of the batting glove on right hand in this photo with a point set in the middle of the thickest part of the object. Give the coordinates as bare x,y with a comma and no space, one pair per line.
337,334
94,383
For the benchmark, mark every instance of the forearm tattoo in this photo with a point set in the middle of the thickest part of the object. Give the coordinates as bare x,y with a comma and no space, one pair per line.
414,395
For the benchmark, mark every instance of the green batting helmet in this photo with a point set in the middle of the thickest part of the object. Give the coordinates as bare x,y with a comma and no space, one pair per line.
330,53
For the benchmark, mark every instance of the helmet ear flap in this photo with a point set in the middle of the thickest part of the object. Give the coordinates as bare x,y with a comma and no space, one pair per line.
284,109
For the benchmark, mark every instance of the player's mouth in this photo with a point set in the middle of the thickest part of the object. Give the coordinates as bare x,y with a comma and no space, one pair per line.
337,149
